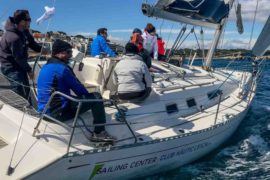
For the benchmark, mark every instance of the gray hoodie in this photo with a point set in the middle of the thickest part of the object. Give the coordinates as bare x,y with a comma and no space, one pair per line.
14,47
131,74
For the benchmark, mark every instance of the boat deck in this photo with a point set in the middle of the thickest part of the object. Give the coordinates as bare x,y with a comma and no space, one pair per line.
2,143
9,97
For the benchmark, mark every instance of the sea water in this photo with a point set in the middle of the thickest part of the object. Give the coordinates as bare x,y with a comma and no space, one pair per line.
246,155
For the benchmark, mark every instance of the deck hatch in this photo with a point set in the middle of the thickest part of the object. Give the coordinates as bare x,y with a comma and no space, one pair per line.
191,102
172,108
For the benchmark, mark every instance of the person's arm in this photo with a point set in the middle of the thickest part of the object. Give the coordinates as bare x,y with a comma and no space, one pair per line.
19,56
147,76
32,43
73,83
106,48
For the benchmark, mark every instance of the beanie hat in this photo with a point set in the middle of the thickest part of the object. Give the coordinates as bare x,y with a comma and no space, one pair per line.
101,31
137,30
131,48
20,15
60,46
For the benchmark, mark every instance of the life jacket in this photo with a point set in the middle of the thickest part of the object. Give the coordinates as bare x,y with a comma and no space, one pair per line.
137,39
161,49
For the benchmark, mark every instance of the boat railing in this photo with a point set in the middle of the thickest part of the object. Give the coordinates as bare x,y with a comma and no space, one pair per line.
74,124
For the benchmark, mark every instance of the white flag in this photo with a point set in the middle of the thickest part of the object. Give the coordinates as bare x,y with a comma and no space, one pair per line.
49,12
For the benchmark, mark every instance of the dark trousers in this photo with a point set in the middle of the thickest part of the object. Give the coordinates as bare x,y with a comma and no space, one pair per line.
18,80
135,96
97,108
161,57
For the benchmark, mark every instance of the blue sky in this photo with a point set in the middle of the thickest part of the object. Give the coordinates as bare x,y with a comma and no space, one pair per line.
121,16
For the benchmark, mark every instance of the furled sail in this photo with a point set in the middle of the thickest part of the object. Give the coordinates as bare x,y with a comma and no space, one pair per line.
263,41
207,13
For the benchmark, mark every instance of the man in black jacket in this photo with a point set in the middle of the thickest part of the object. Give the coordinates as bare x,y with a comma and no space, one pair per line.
14,52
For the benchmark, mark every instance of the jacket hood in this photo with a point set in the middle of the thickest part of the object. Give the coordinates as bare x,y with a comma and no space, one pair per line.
131,56
10,26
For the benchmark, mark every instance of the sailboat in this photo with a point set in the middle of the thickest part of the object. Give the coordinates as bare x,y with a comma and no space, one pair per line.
190,112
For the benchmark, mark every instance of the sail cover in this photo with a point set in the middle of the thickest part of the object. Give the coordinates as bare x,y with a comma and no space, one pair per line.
208,11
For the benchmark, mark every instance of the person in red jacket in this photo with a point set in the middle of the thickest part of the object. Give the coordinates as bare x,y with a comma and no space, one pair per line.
161,49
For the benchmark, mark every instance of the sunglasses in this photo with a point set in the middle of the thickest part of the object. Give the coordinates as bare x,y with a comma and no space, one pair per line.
28,19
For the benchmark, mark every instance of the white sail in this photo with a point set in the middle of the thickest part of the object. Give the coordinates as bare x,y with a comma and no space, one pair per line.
263,42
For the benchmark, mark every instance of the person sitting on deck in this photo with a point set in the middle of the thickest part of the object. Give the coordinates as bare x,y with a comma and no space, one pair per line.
132,76
99,44
137,39
56,75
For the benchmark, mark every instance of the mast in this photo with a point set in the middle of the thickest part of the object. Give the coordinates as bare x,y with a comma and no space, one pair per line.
215,42
208,13
214,45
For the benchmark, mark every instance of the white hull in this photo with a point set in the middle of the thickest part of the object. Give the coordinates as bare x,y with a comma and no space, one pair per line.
165,140
142,159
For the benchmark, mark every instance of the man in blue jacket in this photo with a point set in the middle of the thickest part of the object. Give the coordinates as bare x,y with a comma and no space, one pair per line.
14,52
99,44
56,75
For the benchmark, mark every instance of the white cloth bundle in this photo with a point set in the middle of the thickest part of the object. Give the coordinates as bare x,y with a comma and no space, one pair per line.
49,12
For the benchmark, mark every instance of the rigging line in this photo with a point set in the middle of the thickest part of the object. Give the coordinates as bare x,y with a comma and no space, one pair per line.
228,77
169,37
203,48
179,37
177,43
196,38
184,40
161,27
223,37
253,24
10,169
38,59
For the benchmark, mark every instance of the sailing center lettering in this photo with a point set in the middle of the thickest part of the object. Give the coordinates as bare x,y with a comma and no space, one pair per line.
106,168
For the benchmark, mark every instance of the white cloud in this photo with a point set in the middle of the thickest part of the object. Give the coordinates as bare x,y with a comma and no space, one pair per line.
115,39
118,40
121,31
237,43
84,33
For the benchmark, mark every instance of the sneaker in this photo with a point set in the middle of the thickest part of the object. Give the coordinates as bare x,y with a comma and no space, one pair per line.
103,136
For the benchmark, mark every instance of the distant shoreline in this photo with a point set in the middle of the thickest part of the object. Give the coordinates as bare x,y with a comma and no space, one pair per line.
220,58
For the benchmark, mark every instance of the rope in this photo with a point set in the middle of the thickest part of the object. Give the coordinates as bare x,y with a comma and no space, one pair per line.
38,59
10,169
196,39
253,24
161,27
169,37
203,52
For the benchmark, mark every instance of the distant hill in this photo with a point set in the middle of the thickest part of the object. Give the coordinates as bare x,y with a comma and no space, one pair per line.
226,53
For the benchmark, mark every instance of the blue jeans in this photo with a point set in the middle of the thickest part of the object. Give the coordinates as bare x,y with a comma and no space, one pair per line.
18,80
